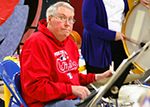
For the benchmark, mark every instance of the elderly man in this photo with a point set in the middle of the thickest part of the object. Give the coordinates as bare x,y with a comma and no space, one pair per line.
49,63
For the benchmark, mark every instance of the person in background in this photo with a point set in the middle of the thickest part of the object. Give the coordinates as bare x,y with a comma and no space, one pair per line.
49,63
102,20
102,40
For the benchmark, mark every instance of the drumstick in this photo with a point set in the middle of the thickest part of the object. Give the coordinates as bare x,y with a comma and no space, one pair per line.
140,44
131,40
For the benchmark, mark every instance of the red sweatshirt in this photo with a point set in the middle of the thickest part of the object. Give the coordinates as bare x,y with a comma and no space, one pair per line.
49,68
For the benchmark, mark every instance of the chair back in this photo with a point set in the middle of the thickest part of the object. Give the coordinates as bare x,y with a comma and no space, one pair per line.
7,69
17,87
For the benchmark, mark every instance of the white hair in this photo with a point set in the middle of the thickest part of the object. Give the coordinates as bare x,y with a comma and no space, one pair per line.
52,10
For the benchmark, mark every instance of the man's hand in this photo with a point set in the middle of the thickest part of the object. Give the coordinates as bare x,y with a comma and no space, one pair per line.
80,91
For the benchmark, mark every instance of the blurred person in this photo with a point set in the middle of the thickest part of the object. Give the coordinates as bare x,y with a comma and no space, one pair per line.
102,40
102,20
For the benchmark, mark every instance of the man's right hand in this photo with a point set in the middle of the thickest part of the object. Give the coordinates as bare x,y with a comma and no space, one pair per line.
80,91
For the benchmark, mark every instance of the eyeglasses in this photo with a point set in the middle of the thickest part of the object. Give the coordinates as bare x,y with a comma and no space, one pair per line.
64,19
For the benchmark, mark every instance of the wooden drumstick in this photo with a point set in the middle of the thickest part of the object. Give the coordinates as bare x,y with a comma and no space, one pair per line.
135,42
131,40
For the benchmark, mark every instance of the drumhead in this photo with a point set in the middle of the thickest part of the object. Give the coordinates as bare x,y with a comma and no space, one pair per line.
137,28
130,94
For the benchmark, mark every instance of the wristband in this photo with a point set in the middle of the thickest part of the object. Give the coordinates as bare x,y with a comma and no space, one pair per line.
95,77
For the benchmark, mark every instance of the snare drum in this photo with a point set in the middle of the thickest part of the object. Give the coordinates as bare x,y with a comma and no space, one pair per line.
137,28
129,94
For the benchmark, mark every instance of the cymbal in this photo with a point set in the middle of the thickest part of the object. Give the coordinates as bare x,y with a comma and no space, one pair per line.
129,78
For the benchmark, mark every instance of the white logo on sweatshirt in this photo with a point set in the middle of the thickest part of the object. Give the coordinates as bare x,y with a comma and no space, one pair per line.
63,63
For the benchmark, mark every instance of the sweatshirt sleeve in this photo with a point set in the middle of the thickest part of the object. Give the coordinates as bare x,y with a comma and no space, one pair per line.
35,75
86,79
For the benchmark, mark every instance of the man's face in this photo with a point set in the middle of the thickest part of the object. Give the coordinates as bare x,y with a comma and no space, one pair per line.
59,26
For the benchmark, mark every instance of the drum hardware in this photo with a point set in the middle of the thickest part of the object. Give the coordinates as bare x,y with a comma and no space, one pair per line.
104,103
135,2
146,75
114,90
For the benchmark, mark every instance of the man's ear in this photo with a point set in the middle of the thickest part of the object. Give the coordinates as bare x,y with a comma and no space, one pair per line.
49,18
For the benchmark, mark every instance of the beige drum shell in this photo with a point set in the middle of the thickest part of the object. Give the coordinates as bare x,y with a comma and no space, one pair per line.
137,27
131,93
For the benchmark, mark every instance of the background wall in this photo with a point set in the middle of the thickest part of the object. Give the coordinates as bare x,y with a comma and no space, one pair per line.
78,26
77,4
37,12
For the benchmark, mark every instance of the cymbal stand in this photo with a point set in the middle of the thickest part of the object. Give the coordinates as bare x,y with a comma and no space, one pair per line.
116,103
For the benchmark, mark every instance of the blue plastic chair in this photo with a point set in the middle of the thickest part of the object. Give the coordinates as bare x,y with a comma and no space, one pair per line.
7,69
17,87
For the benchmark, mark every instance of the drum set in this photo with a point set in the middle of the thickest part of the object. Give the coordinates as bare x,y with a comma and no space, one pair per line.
130,91
118,91
137,29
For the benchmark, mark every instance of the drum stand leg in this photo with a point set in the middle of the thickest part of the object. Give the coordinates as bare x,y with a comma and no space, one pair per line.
116,103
